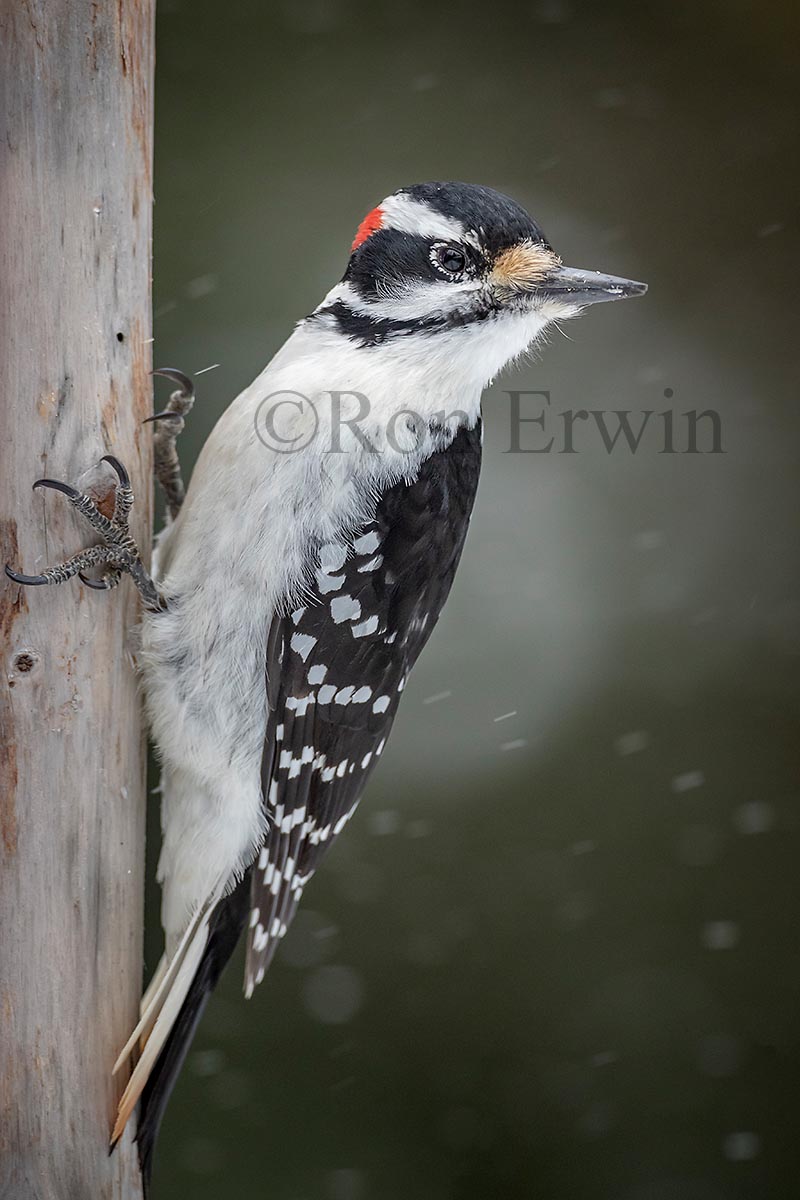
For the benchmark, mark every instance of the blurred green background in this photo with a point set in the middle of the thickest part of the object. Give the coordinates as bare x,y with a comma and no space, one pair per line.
556,953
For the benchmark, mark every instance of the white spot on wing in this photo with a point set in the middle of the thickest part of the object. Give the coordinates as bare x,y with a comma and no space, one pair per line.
372,565
366,627
303,644
345,608
368,543
328,583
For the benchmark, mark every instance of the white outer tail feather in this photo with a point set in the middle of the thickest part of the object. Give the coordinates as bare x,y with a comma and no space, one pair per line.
161,1005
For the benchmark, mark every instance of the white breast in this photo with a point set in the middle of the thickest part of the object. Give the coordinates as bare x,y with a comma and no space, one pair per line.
240,548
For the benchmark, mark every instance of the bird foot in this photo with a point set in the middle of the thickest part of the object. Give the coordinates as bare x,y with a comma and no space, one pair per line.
170,424
117,552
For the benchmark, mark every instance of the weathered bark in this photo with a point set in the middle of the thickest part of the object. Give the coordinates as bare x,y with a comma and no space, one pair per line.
76,81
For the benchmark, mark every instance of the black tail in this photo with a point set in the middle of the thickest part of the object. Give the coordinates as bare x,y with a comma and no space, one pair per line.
227,923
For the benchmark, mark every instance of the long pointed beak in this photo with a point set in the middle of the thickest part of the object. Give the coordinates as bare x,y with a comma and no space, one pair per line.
574,286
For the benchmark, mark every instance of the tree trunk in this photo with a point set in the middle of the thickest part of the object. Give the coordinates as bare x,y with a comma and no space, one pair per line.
76,81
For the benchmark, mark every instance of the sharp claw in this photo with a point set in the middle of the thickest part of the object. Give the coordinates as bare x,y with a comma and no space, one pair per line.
177,377
98,585
30,580
161,416
58,486
122,474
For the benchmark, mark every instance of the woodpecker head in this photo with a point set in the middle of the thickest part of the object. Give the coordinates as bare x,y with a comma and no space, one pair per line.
454,260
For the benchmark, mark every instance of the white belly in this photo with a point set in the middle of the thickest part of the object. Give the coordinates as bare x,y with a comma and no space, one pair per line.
238,552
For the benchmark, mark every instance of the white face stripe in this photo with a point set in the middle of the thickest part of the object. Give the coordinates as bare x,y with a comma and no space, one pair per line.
415,300
415,216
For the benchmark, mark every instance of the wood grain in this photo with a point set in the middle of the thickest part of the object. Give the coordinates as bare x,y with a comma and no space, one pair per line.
76,90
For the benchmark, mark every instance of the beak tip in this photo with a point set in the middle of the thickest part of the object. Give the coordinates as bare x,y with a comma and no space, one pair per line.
635,288
591,287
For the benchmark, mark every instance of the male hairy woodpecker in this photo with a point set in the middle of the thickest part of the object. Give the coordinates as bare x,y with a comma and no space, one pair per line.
291,593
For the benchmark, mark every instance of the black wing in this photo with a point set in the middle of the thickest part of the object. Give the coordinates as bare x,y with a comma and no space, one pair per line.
336,670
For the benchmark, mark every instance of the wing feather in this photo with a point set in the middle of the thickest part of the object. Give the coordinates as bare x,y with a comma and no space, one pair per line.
336,668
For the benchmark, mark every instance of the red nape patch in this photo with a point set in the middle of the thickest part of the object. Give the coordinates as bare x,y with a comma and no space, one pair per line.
372,222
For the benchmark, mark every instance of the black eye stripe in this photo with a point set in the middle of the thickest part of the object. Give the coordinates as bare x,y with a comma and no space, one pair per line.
388,256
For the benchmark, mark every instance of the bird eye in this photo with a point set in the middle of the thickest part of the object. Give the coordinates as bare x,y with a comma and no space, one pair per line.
450,260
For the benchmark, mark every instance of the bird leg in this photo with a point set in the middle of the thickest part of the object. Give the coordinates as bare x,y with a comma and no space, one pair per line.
171,421
117,552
